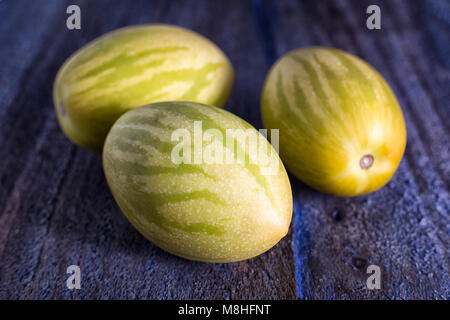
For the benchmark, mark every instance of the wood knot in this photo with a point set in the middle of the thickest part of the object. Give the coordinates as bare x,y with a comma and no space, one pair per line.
359,262
336,214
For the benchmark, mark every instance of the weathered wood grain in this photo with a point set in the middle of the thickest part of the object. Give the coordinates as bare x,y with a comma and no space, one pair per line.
403,228
56,209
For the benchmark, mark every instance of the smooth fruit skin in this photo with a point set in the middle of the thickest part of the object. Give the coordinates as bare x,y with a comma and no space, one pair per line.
131,67
341,128
206,212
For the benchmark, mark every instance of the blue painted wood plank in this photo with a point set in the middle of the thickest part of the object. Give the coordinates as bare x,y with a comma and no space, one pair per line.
56,209
403,228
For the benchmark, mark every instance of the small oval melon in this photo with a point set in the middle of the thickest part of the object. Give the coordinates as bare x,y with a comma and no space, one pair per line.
341,128
232,205
131,67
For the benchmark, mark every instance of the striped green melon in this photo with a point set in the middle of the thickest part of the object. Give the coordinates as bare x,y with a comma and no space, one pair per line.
131,67
206,211
341,128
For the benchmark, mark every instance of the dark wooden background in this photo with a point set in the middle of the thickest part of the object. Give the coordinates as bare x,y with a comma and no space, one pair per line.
56,209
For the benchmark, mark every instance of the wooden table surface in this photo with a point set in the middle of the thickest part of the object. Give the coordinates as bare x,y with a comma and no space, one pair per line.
56,209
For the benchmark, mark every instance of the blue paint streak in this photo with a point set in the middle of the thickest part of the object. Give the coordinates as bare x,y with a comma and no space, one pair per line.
436,16
301,240
264,26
